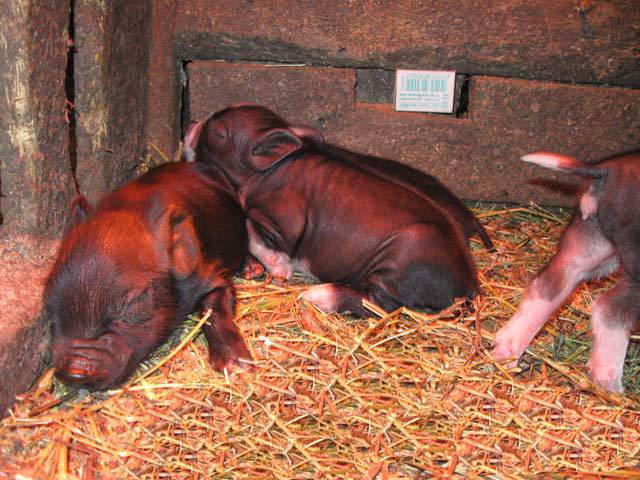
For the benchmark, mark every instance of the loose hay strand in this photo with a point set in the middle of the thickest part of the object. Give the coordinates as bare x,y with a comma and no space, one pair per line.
403,394
195,330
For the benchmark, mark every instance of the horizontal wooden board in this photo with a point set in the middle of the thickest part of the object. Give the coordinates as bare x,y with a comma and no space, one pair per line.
585,121
311,95
476,156
594,41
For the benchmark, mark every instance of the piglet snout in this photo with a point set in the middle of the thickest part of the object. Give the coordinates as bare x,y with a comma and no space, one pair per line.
79,370
79,377
90,363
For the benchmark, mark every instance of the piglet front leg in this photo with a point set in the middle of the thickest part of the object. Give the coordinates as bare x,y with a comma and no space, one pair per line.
277,263
226,345
252,268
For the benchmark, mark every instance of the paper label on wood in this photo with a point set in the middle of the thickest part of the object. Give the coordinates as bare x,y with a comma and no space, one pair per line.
425,90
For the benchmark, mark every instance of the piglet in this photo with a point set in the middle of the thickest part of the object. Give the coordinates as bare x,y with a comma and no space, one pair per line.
604,234
132,268
342,217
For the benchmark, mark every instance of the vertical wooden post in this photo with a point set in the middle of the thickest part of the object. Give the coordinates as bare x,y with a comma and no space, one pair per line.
35,175
110,72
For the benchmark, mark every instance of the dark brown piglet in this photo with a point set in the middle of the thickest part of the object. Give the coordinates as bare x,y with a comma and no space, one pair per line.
389,235
132,268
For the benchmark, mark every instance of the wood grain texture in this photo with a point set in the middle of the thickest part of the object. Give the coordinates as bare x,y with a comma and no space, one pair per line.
24,330
111,64
311,95
163,81
594,41
36,180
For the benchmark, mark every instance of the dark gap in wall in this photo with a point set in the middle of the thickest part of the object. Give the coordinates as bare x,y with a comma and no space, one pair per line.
185,113
374,85
462,108
70,92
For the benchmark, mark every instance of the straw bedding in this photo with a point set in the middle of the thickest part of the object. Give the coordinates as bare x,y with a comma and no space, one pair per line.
403,395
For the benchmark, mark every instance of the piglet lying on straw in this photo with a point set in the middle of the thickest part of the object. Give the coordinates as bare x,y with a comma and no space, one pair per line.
132,268
604,234
371,229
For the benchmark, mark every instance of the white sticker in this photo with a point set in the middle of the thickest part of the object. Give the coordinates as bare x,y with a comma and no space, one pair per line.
425,90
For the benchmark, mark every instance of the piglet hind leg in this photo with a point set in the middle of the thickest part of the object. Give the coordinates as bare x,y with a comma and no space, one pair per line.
583,253
615,316
226,345
421,267
332,297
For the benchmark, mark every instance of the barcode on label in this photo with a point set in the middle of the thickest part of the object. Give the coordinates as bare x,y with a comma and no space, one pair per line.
425,90
424,84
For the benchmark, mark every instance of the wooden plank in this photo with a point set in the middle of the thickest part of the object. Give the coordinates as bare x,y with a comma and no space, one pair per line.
163,83
593,41
111,101
586,121
24,331
310,95
36,179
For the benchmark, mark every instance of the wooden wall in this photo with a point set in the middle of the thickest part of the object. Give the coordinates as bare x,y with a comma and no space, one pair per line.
534,74
561,76
74,109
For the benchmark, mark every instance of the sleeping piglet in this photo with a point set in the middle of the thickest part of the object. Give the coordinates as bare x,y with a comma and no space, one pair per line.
132,268
336,215
604,234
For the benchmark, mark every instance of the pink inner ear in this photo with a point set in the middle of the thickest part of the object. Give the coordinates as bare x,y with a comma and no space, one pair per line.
588,204
191,138
305,131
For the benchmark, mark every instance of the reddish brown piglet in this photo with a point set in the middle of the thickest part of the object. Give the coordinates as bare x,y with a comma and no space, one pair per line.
132,268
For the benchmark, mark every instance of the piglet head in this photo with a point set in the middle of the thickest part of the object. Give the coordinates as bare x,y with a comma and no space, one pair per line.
111,294
244,140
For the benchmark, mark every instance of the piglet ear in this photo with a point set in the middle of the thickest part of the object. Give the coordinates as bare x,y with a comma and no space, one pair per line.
190,141
79,212
184,246
272,146
305,131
